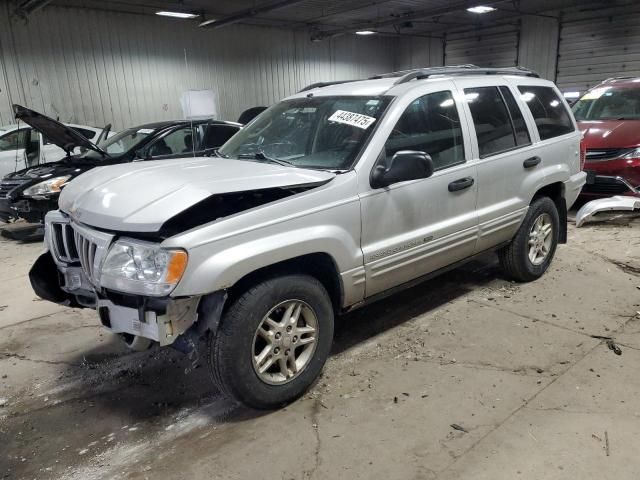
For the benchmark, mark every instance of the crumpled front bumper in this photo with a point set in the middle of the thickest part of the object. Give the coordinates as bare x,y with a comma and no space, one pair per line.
159,319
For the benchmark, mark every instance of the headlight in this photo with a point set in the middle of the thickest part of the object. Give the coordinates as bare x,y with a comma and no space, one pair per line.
134,266
632,154
49,186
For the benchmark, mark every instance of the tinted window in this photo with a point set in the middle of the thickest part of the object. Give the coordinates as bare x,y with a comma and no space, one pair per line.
491,119
519,125
13,140
550,114
430,124
217,135
90,134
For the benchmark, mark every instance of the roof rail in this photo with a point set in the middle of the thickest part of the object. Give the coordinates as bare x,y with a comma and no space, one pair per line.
464,70
402,73
325,84
610,79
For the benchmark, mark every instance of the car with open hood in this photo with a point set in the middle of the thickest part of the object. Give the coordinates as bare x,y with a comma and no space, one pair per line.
22,146
330,199
609,117
32,192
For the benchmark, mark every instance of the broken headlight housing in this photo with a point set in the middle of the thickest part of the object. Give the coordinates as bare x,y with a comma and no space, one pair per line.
134,266
49,186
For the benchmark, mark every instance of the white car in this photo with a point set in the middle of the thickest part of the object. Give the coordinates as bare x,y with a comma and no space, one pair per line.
21,146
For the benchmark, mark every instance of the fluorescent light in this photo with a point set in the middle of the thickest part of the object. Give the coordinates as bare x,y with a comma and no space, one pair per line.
177,14
571,94
365,32
480,9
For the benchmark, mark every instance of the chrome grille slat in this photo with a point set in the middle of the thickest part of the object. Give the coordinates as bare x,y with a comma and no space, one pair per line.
70,243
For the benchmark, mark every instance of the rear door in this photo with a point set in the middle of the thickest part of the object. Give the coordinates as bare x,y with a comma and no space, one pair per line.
505,154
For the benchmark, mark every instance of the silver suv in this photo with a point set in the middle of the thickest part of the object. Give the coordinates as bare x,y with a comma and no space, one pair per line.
328,200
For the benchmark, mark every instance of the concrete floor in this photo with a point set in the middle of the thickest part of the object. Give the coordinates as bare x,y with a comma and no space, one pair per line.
514,366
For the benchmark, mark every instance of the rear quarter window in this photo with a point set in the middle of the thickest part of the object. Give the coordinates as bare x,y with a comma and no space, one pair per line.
551,116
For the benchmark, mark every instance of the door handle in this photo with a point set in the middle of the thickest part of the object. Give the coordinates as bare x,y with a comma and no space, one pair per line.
460,184
531,162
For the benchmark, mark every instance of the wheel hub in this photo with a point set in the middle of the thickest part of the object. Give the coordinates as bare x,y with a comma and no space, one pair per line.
284,342
540,239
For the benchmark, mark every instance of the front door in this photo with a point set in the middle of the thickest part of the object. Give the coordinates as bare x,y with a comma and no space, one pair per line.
12,150
413,228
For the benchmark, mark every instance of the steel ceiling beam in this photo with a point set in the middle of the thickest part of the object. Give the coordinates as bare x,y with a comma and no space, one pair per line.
248,13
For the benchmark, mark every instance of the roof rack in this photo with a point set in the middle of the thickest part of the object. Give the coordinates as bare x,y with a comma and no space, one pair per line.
463,70
421,73
402,73
325,84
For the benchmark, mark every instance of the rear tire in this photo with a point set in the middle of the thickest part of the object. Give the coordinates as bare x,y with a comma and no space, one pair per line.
272,342
530,252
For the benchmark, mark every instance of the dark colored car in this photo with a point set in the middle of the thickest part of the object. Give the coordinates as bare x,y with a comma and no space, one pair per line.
609,117
32,192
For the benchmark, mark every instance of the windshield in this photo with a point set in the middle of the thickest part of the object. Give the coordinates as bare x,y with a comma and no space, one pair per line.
120,143
313,132
609,103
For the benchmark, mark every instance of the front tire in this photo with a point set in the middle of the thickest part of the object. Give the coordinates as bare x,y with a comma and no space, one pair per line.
272,341
530,252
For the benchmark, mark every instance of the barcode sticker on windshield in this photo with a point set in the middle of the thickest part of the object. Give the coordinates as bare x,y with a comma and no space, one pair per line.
354,119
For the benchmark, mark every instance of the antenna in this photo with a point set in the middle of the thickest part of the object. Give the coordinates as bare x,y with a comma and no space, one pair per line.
193,139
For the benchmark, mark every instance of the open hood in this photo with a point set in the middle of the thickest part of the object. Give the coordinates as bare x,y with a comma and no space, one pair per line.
141,197
64,137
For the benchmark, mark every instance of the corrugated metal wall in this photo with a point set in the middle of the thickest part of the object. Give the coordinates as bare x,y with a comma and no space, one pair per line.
539,45
415,52
487,47
93,67
598,44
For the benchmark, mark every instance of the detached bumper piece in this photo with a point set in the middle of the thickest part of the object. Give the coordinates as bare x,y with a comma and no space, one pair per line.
613,204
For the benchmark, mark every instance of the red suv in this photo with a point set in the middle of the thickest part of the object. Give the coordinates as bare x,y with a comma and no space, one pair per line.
609,117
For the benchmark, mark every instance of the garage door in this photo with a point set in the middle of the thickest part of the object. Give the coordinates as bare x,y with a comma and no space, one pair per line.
489,47
598,44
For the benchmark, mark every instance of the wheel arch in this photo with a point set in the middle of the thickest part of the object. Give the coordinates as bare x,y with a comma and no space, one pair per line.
556,192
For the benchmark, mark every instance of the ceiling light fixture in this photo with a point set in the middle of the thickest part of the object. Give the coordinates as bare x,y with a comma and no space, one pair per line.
480,9
163,13
365,32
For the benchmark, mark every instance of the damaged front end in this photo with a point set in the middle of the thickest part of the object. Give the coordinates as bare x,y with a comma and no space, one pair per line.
67,274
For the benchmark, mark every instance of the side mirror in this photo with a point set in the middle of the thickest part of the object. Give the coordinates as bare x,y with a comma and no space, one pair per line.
405,165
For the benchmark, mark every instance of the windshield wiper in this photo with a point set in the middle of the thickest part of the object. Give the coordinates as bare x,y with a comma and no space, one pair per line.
259,155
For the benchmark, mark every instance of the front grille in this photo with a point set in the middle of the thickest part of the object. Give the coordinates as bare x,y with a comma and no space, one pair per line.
86,250
64,243
606,188
595,154
71,243
7,186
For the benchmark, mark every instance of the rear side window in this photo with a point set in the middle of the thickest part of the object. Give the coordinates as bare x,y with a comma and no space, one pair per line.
430,124
549,113
519,125
491,119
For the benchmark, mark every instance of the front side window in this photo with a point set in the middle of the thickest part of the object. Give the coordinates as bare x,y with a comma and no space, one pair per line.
492,121
609,103
549,112
430,124
313,132
14,140
181,141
